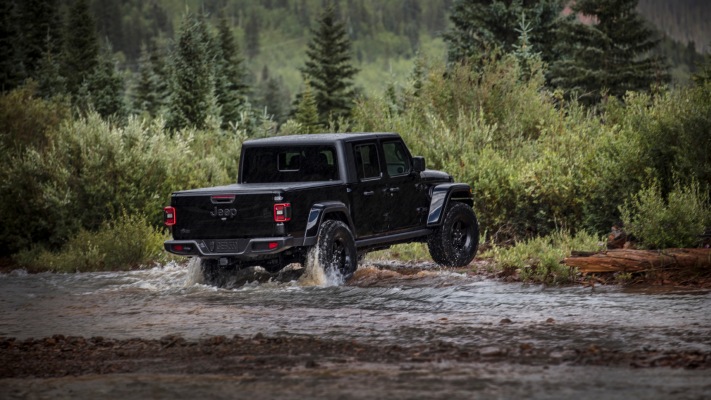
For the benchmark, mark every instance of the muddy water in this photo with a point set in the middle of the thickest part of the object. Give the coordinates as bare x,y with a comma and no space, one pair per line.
376,306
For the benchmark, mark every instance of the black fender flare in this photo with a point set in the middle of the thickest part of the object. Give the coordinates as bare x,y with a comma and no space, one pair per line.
317,214
442,195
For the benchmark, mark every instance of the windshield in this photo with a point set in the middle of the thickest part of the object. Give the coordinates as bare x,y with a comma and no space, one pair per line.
289,164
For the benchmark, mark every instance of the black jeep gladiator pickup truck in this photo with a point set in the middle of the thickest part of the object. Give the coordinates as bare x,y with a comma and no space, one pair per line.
323,198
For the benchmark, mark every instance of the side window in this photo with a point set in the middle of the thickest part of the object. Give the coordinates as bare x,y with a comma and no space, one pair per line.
367,163
396,158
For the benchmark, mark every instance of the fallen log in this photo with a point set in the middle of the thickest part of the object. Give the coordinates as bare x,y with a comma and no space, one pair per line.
630,260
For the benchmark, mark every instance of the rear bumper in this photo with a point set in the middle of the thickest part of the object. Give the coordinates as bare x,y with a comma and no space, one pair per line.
237,248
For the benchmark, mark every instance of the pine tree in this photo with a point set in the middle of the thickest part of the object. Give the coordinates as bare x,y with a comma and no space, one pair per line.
11,66
523,50
274,98
50,81
479,26
329,69
418,75
106,87
230,88
81,48
192,95
307,111
161,70
610,55
146,91
41,28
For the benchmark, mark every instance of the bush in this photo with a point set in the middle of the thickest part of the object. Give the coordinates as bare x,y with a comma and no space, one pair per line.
125,243
540,259
660,223
92,169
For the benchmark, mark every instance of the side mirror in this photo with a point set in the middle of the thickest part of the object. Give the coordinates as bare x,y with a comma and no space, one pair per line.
418,164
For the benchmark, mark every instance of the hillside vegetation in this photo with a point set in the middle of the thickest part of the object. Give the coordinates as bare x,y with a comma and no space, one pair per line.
82,187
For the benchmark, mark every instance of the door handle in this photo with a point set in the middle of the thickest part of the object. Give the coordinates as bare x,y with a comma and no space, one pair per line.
369,193
394,189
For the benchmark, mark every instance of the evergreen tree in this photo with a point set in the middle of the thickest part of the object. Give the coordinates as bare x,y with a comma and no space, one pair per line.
307,111
523,51
418,76
274,96
610,55
81,48
11,66
481,25
49,77
161,70
41,29
106,88
230,88
192,95
329,69
146,91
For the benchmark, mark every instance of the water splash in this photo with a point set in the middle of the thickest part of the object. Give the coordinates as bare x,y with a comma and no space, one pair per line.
315,274
194,275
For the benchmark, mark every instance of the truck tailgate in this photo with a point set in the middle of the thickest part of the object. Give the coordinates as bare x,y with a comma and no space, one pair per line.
218,215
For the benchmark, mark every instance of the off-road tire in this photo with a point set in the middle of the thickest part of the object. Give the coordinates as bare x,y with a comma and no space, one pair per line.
335,248
455,242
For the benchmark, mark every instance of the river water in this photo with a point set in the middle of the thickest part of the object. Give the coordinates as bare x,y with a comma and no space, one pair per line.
376,306
384,306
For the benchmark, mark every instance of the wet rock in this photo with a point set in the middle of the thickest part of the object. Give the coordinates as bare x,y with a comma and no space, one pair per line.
505,321
311,364
491,351
244,276
289,273
550,321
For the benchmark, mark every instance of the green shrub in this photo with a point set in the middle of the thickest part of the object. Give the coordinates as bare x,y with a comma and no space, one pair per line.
540,259
125,243
676,221
93,169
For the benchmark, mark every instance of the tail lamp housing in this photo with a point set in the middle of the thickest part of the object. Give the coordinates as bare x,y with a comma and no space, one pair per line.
169,217
282,212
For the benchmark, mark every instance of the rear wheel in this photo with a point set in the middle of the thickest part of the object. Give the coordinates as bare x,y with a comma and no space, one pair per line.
455,242
335,249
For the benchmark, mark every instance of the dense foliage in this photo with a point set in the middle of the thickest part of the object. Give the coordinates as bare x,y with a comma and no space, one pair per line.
82,162
539,164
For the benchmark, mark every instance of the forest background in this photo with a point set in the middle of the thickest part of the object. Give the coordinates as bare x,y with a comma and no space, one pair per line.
87,165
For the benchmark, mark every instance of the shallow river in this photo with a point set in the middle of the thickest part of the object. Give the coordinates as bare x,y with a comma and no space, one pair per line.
377,305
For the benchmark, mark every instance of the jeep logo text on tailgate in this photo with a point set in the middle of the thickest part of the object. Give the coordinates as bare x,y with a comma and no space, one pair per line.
223,212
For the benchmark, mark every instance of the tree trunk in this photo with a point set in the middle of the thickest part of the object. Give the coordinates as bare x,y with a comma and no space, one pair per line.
628,260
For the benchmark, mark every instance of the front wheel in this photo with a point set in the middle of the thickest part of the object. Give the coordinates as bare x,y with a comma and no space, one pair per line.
334,249
455,242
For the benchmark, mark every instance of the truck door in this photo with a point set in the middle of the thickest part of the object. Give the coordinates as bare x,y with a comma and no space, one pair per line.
405,196
368,212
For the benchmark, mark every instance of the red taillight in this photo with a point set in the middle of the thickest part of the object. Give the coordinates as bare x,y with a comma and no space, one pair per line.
178,247
282,212
273,245
169,216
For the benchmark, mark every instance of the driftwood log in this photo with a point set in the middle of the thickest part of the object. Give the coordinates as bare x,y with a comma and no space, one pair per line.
630,260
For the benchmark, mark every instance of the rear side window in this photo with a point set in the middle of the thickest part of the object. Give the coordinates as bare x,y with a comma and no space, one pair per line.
367,162
289,164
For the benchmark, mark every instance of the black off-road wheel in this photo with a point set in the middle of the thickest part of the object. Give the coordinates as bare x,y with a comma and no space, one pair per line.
335,249
455,242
